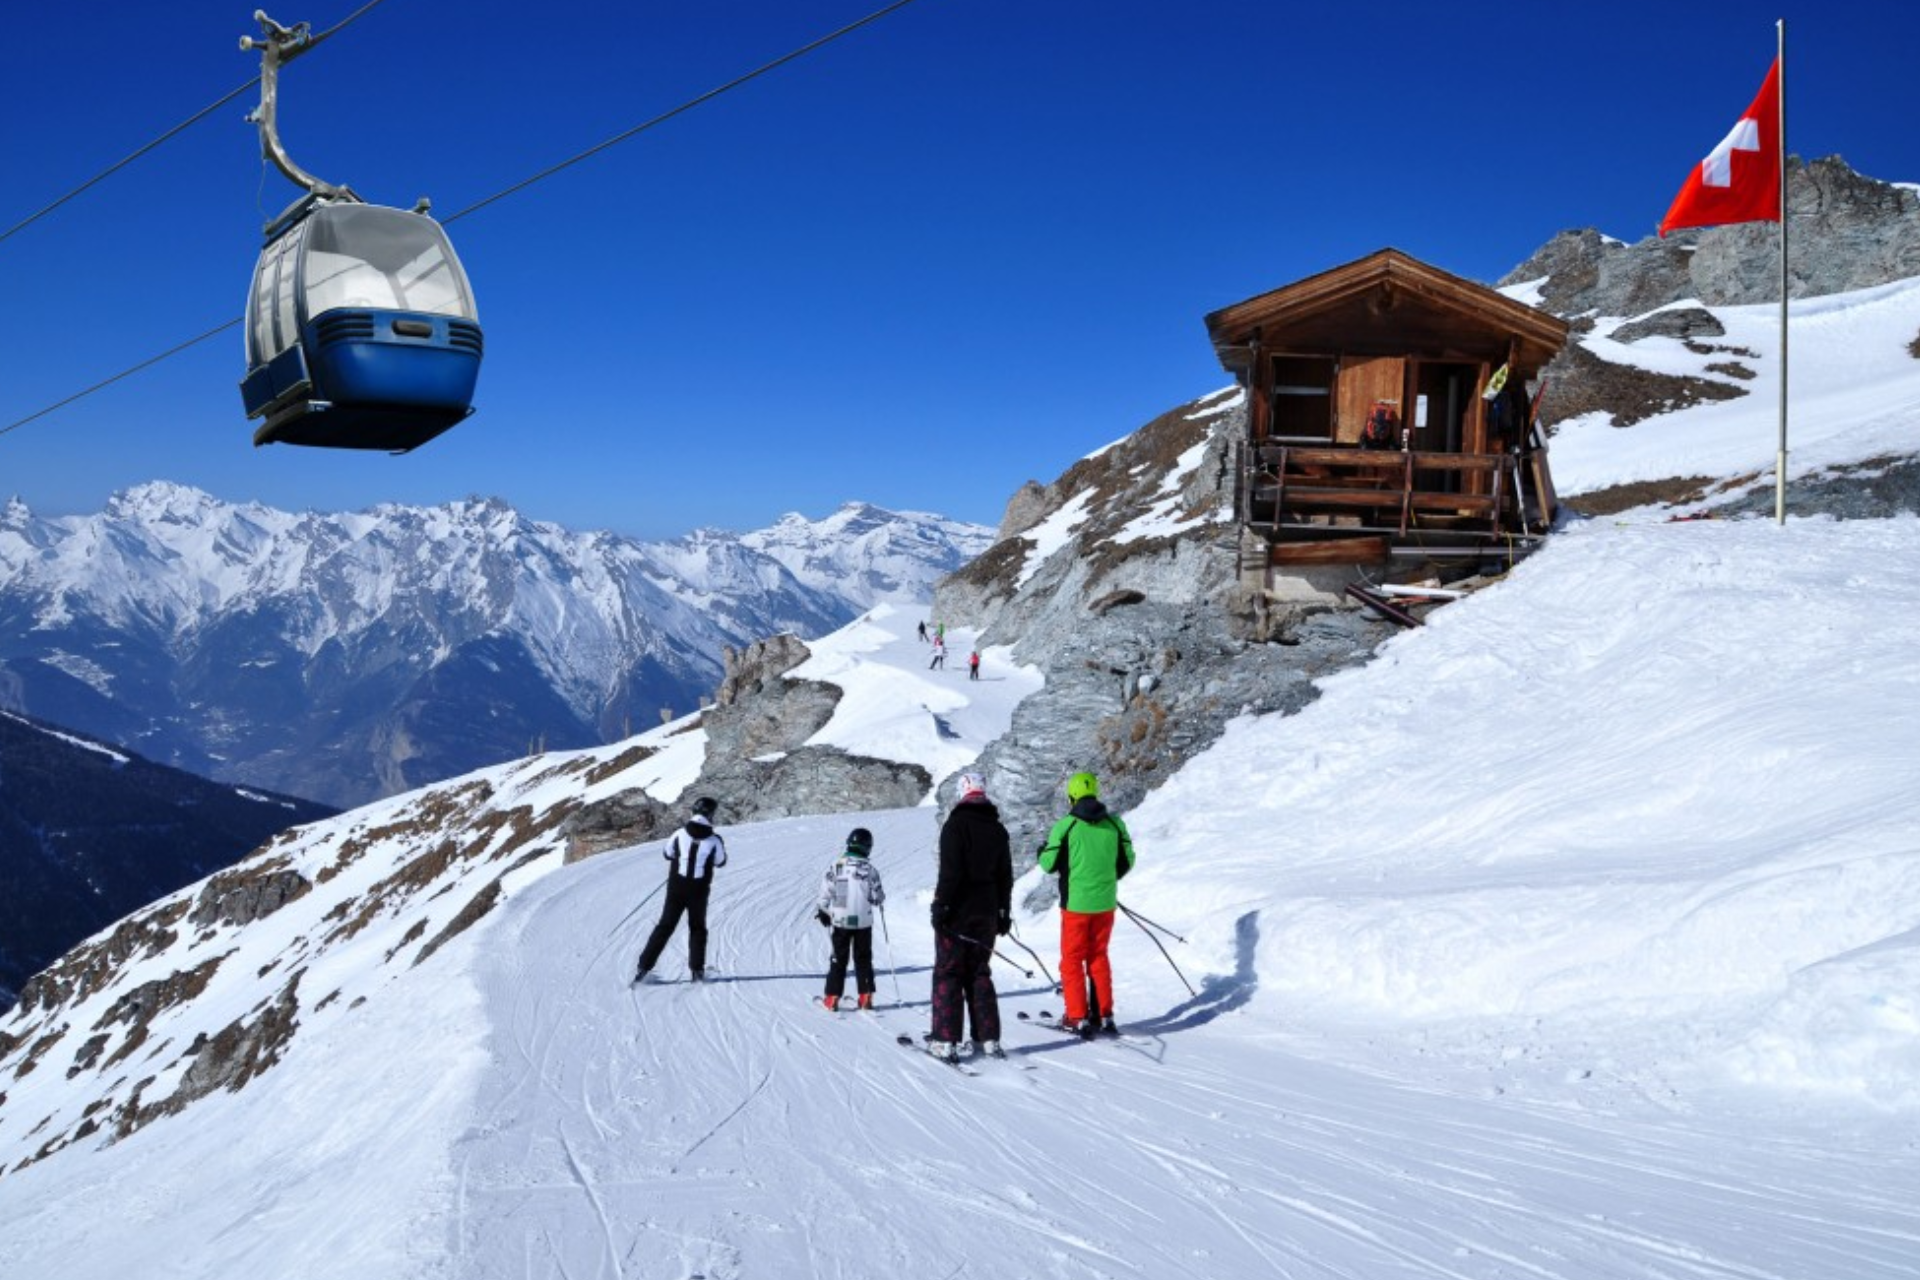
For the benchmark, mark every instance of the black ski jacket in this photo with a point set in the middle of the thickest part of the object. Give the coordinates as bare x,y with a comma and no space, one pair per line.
976,872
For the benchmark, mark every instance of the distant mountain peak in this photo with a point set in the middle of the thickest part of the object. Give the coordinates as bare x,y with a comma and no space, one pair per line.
350,655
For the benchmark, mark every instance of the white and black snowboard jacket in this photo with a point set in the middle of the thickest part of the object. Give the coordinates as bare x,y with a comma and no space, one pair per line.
694,851
850,892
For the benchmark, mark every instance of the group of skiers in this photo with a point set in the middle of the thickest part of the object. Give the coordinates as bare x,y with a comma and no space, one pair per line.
938,639
1089,850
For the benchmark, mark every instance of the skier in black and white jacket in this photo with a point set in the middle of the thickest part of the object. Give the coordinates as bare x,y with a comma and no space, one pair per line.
692,854
850,893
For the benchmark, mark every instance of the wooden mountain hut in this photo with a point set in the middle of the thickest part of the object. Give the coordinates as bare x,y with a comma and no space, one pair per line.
1454,465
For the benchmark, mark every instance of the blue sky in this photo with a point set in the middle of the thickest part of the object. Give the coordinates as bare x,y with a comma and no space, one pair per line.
950,252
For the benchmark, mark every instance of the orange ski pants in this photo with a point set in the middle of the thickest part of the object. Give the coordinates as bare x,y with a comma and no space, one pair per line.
1083,958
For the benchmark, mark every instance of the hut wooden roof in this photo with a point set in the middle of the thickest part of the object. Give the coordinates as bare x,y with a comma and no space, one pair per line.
1387,303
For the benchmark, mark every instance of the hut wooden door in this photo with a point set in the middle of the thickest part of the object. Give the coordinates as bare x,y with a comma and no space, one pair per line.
1363,380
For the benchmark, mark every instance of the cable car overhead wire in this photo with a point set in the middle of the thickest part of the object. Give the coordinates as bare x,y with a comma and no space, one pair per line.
104,383
108,172
684,107
190,121
517,187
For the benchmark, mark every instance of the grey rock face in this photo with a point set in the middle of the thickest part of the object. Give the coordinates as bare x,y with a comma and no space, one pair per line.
1845,231
782,715
1875,491
242,896
630,818
757,762
811,780
1133,694
761,663
1148,645
1113,549
1028,507
1672,322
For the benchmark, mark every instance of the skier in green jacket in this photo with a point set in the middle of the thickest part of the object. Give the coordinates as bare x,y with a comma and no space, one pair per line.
1090,851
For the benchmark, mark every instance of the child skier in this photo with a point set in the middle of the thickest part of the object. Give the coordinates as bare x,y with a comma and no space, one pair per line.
849,895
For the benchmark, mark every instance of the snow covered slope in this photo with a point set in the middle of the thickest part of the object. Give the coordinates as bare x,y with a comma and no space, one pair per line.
1854,394
1646,1010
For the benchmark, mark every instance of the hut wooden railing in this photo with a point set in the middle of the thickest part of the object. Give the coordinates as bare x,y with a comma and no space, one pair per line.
1399,492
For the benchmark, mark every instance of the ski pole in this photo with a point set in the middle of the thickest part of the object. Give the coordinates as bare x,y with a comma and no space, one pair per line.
892,968
1137,918
636,910
996,954
1163,951
1036,959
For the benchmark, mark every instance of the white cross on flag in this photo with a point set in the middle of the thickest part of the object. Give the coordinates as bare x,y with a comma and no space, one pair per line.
1739,181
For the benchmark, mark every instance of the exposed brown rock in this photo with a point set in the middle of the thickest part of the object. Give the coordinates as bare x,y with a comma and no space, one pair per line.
250,891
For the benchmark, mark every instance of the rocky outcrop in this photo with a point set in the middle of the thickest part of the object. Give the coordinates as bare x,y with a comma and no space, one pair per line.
780,716
630,818
754,668
1152,509
811,779
1133,693
248,893
1148,645
1846,232
758,764
1582,382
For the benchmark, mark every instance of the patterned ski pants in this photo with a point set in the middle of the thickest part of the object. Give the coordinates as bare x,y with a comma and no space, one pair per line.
963,981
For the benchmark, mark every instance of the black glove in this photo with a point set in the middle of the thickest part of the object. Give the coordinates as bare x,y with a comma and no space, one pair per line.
941,913
826,921
1006,922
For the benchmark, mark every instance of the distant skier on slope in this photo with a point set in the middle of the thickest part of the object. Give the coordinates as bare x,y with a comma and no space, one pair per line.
692,854
939,654
972,903
1091,852
849,895
973,665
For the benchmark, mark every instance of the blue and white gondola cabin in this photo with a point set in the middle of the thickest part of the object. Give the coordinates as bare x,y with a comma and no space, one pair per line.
361,329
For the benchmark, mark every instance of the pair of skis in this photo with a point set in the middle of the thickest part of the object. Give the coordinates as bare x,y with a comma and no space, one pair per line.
962,1065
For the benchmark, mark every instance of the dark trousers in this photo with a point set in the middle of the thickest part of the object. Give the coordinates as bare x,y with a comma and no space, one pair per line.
860,942
963,982
686,897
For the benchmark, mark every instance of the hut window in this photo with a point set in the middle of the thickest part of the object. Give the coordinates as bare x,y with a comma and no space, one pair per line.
1302,397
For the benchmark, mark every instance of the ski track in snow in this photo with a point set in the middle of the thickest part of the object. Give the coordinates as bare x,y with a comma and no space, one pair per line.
736,1129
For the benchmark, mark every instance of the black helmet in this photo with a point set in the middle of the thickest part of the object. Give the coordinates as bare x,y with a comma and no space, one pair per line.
706,807
860,840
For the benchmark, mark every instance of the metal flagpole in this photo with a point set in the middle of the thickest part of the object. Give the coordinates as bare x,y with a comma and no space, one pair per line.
1780,464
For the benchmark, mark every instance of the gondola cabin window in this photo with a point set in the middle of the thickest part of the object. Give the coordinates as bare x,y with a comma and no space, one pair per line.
383,259
275,327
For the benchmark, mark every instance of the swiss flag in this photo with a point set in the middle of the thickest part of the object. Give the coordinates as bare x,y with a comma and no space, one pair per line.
1739,181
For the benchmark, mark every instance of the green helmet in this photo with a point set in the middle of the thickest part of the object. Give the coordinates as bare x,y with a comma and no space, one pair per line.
1082,785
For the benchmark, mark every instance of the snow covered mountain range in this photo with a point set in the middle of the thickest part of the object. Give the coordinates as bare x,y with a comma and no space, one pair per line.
348,656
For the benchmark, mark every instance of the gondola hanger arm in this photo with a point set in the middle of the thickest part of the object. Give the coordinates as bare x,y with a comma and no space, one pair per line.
281,46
